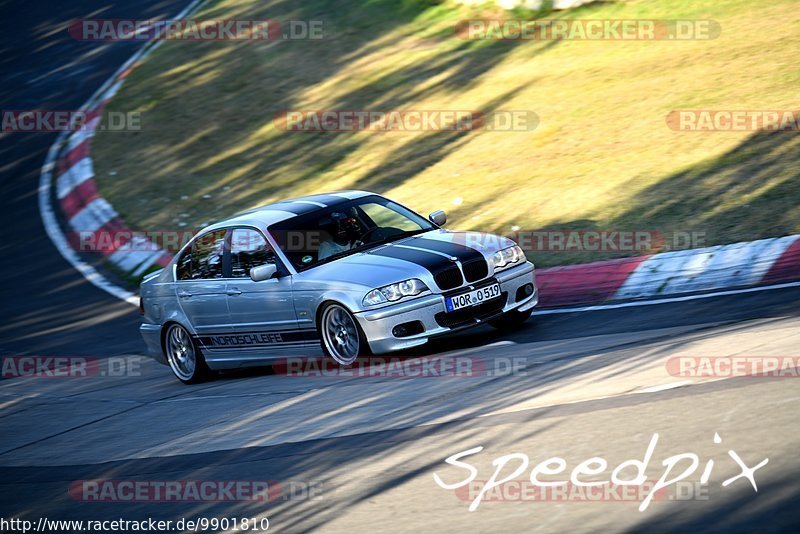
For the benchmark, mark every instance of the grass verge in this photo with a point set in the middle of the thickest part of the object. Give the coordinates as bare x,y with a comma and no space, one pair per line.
602,157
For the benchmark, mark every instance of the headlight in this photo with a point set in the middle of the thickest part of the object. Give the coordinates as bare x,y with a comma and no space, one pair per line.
507,257
394,292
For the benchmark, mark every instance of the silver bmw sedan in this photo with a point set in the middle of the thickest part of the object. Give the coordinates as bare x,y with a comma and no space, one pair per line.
351,271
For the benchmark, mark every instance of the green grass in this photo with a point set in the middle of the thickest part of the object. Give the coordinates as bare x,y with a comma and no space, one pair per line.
601,158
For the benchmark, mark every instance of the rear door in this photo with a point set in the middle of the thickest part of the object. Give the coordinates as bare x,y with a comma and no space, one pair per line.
262,313
201,287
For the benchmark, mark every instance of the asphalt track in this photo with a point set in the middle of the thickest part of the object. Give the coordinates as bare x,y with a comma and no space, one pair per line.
592,386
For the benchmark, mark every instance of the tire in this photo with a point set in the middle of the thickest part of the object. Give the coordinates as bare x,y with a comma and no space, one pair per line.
184,358
511,320
342,337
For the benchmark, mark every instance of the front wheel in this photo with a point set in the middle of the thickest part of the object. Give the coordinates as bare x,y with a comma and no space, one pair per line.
511,320
342,338
185,360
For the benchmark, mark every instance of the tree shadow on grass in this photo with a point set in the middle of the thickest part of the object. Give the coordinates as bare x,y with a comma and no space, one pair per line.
756,184
230,151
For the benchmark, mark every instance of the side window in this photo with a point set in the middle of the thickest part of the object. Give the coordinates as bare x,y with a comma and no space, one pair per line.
248,249
185,265
207,252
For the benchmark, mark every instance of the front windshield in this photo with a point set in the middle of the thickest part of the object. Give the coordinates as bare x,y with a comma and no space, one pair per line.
357,225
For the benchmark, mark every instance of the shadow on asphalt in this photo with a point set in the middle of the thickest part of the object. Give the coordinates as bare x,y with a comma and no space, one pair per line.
773,509
562,327
315,404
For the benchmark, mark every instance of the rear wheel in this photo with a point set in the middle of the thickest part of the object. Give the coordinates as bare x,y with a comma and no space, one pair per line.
342,338
511,320
185,360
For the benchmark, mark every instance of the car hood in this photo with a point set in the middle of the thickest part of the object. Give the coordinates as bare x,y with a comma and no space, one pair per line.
484,242
415,257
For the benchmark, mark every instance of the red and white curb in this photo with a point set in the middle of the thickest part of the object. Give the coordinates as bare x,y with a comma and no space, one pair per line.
719,267
88,212
723,267
68,161
666,277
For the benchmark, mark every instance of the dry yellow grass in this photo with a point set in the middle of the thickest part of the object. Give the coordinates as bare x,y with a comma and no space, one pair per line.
602,156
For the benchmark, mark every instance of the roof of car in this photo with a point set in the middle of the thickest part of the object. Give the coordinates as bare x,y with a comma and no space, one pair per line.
269,214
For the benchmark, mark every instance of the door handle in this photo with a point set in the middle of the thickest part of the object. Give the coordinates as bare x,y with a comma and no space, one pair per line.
233,292
184,294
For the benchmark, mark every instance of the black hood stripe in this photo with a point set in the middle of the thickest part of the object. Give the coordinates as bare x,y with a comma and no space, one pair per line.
464,253
429,260
445,273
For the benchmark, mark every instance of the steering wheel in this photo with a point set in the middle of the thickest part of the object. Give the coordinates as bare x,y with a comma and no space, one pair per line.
360,240
389,230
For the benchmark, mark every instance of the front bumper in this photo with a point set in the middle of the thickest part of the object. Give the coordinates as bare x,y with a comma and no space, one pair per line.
431,312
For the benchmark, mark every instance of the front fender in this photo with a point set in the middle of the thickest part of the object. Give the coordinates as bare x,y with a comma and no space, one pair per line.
351,299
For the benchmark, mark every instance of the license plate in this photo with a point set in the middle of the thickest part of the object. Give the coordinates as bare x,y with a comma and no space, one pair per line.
473,298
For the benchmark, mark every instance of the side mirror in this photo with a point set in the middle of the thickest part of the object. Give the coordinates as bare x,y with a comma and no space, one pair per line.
438,217
263,272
